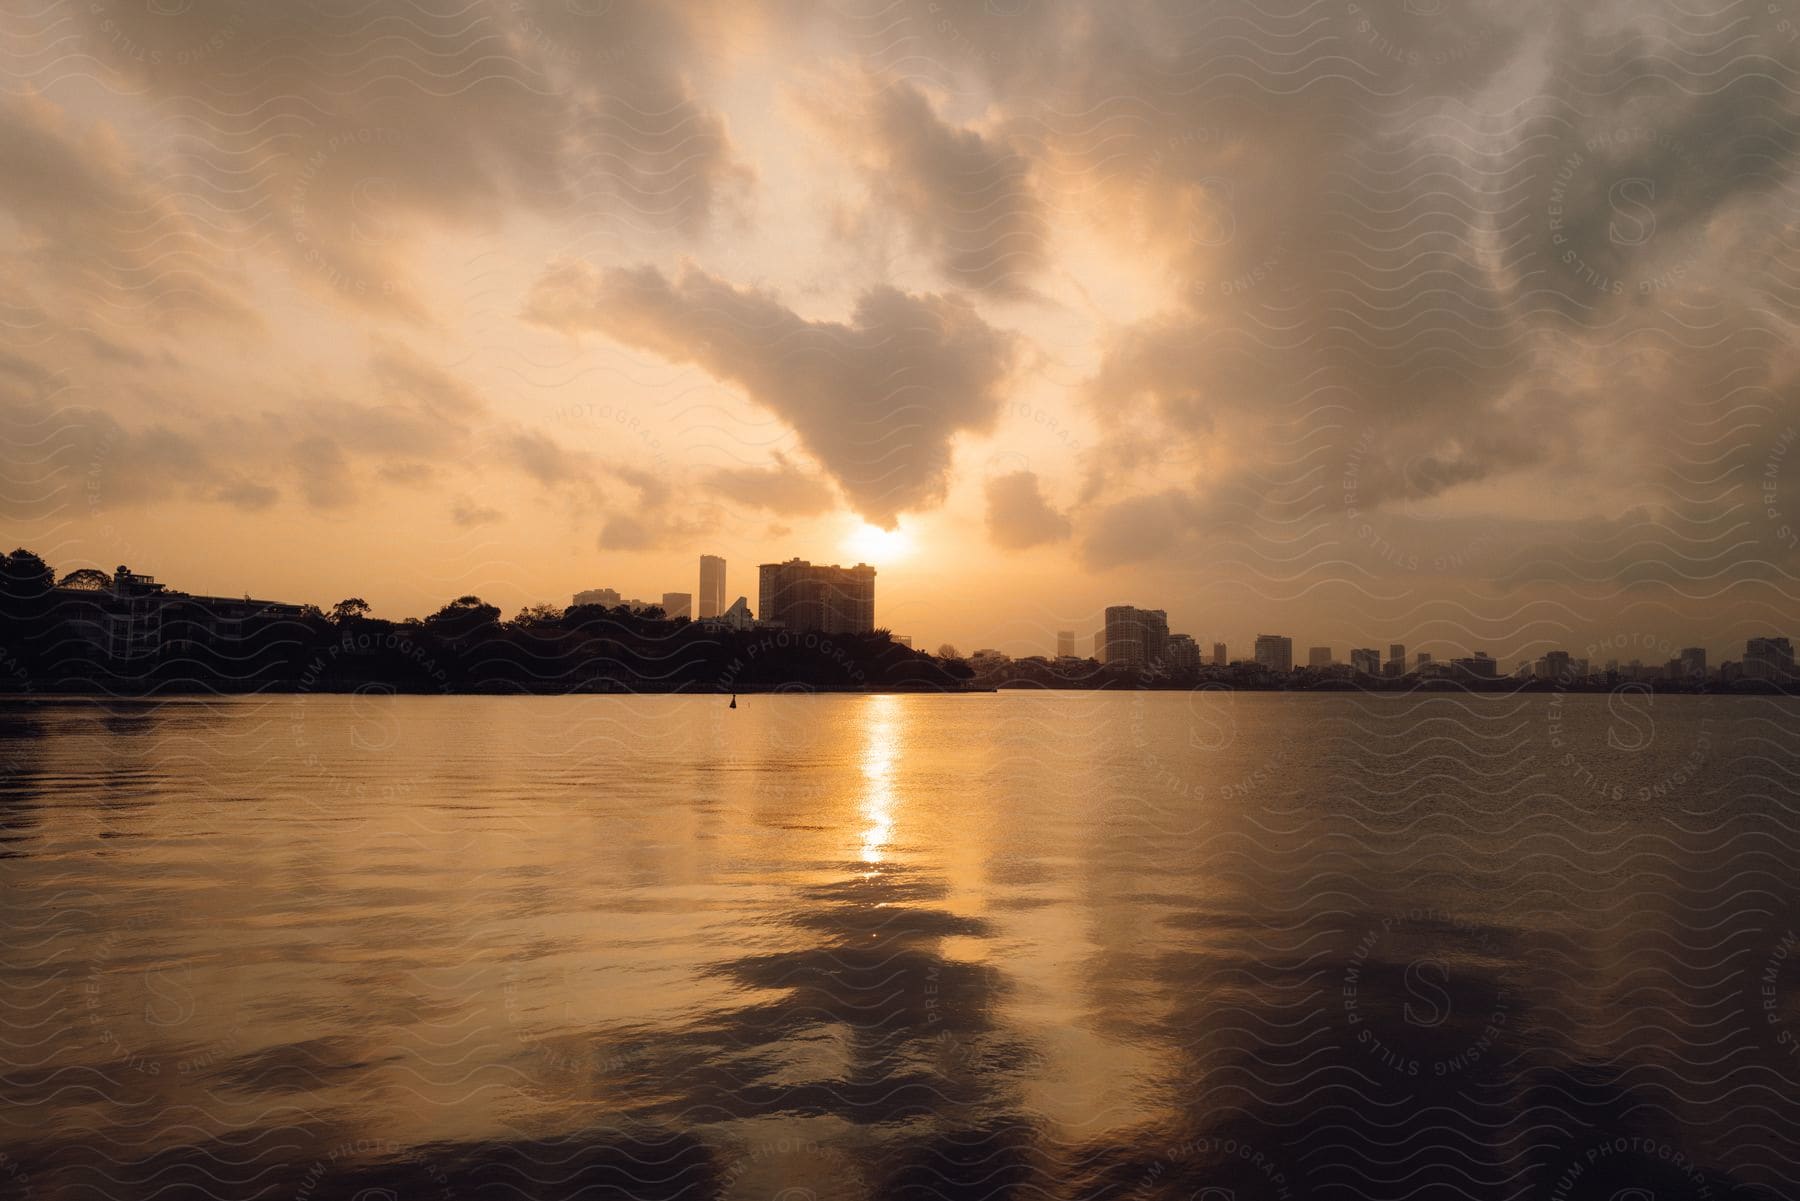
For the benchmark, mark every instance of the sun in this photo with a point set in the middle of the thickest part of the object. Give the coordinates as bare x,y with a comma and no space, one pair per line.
874,545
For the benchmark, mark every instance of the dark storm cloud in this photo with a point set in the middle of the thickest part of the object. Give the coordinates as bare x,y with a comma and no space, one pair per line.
1018,515
876,400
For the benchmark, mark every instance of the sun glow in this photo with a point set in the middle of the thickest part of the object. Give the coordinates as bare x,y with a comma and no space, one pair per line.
873,545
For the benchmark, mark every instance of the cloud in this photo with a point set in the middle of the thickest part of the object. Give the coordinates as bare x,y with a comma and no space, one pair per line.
965,196
1018,516
340,138
784,488
877,401
92,222
467,513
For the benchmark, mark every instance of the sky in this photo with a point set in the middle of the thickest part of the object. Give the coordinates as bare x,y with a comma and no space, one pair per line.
1461,325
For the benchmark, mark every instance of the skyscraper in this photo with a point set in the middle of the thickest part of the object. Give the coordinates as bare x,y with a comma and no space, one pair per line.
826,599
677,604
1220,658
1183,654
1693,663
1768,659
1136,638
1275,652
1396,660
712,585
1365,661
1318,656
1065,644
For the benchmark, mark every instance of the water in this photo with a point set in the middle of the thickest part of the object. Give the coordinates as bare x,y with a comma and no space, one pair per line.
1216,946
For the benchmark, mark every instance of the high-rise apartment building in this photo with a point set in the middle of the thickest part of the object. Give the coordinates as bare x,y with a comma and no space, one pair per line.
678,604
608,597
1275,652
1396,660
1220,658
1136,638
1769,659
1100,646
1318,656
1183,654
826,599
712,586
1365,661
1065,644
1693,663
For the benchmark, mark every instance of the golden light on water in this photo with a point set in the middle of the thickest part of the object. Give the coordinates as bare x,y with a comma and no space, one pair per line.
873,545
879,753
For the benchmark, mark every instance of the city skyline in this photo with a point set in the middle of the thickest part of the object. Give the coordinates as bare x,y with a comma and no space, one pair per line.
1129,637
397,336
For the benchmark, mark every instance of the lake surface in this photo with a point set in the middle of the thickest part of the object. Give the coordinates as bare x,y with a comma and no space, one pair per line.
1205,946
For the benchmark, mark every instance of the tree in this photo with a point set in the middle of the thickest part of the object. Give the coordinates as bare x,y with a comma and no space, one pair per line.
947,651
25,583
463,617
349,608
86,579
542,614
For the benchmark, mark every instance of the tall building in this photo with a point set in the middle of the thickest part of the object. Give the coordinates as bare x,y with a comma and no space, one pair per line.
1365,661
1220,658
600,596
1693,662
1478,666
1424,658
826,599
1136,638
1768,659
1275,652
1555,666
1396,660
1099,646
1065,644
1183,655
1318,656
678,604
712,585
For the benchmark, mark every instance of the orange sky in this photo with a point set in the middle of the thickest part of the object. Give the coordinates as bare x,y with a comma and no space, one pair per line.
1386,325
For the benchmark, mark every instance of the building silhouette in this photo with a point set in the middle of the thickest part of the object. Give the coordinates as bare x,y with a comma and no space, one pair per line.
712,586
1065,644
1318,656
828,599
1692,663
1479,666
609,597
1136,639
1220,657
1769,659
1275,652
1183,654
133,617
678,604
1396,660
1365,661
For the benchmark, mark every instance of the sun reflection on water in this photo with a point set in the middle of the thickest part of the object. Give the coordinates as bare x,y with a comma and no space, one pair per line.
879,753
